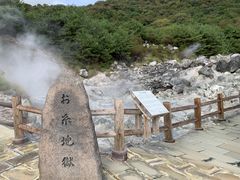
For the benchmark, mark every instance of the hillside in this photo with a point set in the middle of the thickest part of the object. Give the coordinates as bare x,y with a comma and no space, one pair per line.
96,35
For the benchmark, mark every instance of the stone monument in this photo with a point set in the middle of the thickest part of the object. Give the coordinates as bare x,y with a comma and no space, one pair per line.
68,148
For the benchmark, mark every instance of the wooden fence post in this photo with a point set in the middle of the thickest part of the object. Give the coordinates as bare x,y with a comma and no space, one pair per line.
197,114
155,125
220,107
19,137
146,129
168,124
138,122
119,151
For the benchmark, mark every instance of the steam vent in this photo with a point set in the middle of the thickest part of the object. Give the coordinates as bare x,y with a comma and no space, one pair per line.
119,90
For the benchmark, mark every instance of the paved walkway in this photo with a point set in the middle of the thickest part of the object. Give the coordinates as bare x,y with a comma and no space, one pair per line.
210,154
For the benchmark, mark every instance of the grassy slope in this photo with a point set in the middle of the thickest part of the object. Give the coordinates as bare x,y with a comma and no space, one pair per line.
116,29
218,12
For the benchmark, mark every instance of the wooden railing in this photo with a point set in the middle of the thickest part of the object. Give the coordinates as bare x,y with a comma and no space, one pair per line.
143,126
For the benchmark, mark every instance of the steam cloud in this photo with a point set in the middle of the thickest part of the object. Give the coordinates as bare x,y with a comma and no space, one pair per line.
190,50
24,60
26,64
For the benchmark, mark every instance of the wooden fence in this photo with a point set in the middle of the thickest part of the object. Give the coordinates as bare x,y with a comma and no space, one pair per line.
143,126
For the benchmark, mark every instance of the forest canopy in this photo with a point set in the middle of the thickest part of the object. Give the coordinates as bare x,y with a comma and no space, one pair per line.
116,29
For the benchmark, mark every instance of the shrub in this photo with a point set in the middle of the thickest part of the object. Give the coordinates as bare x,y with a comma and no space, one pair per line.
211,37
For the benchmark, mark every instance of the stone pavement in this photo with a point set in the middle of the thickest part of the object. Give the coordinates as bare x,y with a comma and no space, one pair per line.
210,154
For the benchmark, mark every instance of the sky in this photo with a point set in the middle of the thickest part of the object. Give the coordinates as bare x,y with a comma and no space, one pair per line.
65,2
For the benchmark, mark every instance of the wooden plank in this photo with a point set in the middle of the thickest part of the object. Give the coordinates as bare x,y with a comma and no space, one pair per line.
119,126
232,108
133,132
182,123
146,129
132,111
105,134
210,114
231,97
29,109
29,128
162,128
138,122
155,125
183,108
6,104
102,112
208,103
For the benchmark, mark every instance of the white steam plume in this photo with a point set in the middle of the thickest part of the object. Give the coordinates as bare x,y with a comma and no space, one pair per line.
190,50
24,62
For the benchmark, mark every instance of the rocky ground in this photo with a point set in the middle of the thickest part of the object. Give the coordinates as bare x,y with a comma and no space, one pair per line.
177,82
173,81
201,77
